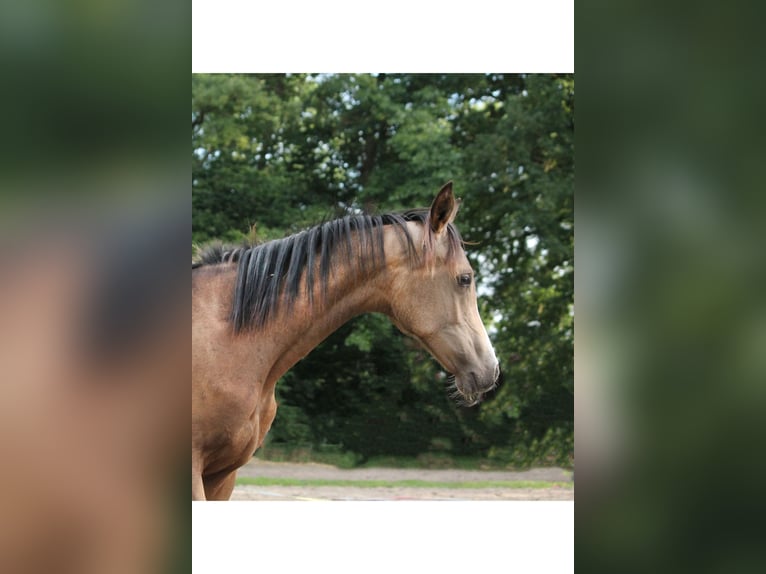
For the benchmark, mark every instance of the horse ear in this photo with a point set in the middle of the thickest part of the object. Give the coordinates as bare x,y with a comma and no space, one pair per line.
443,209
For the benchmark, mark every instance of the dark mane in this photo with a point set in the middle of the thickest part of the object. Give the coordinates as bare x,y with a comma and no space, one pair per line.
271,275
219,253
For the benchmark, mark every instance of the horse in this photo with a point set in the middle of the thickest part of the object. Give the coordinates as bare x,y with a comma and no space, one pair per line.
256,311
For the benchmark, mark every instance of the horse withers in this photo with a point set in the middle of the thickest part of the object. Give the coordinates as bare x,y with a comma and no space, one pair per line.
257,311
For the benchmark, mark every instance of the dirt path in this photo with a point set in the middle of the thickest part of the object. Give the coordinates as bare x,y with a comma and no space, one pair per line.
260,468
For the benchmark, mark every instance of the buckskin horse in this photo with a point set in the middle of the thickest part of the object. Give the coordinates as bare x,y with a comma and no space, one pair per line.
256,311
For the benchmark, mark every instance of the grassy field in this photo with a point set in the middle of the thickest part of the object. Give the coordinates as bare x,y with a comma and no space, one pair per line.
267,481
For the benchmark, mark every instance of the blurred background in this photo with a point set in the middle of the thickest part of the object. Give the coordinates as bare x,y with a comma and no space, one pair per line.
671,327
273,154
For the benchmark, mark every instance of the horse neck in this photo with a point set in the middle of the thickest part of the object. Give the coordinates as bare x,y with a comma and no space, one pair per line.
348,293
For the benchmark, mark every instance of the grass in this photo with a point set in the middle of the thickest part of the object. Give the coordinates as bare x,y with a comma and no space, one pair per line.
266,481
434,461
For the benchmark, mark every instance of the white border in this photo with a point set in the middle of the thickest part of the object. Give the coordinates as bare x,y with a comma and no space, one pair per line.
382,537
393,36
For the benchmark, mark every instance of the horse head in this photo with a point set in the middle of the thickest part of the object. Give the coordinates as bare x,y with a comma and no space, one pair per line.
435,303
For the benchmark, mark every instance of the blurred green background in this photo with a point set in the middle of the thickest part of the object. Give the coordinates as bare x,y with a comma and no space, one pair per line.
273,154
671,335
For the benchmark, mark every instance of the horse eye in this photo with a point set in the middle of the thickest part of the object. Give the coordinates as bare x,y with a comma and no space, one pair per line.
464,280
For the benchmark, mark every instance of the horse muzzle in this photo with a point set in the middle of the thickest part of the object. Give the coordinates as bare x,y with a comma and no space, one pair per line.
473,388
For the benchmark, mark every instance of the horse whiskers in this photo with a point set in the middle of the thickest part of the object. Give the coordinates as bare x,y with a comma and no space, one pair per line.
454,393
451,385
463,399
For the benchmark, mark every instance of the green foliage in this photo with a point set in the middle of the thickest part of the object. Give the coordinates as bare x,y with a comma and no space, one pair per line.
284,151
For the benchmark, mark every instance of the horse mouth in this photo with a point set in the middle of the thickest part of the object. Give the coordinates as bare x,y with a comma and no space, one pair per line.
471,394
